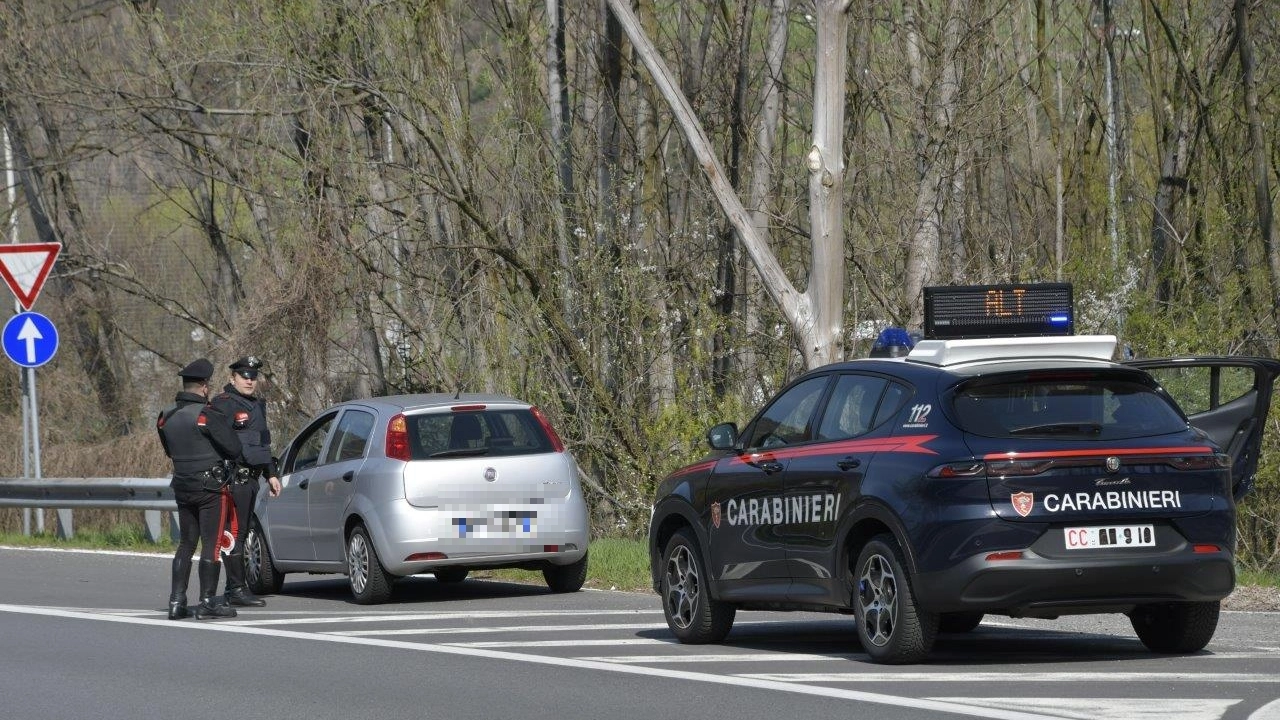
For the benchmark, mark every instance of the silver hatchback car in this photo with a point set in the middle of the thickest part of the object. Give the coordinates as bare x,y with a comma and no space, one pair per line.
393,486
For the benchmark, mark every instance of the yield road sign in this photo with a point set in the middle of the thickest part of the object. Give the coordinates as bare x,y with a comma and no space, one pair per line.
25,267
30,339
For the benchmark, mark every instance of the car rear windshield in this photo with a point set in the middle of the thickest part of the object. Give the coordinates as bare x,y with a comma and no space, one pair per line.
490,432
1074,406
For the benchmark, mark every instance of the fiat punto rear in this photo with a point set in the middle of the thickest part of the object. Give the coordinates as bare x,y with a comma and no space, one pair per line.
387,487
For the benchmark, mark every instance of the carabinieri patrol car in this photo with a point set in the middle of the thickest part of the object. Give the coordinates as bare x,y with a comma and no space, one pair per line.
1027,476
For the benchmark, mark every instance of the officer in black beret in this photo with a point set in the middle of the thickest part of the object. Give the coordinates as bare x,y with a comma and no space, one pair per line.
202,445
247,412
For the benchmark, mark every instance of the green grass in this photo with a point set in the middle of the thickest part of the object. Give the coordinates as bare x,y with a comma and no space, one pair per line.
1257,577
616,564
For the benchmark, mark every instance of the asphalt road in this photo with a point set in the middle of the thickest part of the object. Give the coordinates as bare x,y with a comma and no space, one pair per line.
84,635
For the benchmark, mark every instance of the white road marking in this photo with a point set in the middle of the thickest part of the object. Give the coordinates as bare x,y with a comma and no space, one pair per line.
1270,711
1127,708
504,629
956,708
1022,678
561,643
415,617
780,656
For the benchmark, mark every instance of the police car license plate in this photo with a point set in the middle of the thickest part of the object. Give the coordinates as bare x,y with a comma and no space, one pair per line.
497,524
1093,538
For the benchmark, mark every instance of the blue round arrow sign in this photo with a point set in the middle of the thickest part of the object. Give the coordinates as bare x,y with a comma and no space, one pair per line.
30,339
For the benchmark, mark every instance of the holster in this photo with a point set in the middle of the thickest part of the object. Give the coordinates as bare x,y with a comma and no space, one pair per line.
216,477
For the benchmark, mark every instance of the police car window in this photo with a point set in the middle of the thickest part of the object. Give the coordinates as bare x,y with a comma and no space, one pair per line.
351,437
851,407
305,452
1084,407
895,396
786,421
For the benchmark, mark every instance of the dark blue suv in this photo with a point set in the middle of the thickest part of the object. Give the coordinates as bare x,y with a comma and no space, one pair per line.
1028,477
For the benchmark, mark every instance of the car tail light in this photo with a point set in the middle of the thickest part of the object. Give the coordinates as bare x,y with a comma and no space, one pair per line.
550,548
1200,462
1006,468
556,444
467,408
958,469
1206,549
398,439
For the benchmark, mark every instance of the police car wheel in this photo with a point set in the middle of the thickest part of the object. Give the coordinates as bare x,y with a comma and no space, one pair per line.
370,583
692,614
892,629
1184,627
260,568
959,622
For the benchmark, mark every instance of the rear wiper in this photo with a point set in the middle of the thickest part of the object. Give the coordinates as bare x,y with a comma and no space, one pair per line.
1059,429
460,452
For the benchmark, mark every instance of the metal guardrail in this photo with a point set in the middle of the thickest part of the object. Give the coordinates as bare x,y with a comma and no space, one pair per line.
153,496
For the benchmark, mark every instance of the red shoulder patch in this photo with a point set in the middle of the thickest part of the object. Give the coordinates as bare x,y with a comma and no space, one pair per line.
200,420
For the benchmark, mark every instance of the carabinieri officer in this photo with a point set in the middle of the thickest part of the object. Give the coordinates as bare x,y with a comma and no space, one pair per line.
247,412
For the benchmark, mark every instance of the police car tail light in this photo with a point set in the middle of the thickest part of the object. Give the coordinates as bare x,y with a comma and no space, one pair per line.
556,443
1005,555
1200,462
958,469
398,438
1005,468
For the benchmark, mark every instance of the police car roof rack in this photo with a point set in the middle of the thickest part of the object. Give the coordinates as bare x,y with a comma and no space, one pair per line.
947,353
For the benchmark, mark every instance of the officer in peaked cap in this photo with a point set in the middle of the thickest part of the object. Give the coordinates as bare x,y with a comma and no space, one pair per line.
201,444
247,412
200,369
247,367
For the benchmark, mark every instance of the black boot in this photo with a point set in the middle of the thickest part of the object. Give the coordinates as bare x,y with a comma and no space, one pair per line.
211,606
238,592
178,587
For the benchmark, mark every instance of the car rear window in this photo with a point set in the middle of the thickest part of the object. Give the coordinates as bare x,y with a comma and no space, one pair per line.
1077,406
490,432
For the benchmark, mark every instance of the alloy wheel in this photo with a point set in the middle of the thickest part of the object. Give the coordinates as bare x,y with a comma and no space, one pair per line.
683,586
878,597
358,562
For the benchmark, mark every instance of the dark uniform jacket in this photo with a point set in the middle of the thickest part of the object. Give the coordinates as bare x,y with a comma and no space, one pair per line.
196,437
248,417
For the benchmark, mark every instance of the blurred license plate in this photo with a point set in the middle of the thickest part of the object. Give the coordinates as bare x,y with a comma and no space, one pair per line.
1092,538
495,524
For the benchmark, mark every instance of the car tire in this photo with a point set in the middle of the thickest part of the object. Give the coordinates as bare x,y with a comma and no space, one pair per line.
370,583
1178,627
959,622
892,628
695,618
451,575
566,578
259,567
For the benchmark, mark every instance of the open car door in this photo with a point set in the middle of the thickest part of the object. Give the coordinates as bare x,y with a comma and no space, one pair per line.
1226,397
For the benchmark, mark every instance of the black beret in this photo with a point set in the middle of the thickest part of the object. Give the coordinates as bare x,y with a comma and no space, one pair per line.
197,370
247,366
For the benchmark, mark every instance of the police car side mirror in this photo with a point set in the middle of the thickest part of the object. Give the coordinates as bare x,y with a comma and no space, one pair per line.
723,436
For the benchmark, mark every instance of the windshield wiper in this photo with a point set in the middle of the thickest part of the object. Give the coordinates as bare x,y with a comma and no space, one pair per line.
460,452
1059,429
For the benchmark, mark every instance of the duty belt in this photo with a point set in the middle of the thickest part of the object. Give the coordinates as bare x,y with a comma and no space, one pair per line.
244,474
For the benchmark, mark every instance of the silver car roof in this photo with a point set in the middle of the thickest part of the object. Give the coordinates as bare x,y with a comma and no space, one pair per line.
428,401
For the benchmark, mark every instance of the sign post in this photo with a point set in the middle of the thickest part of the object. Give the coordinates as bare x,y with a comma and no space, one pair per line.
30,340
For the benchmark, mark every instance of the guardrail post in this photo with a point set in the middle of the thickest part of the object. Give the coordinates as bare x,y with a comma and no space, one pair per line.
66,525
151,518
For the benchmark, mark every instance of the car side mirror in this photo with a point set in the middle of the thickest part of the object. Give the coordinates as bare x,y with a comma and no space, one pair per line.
723,436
